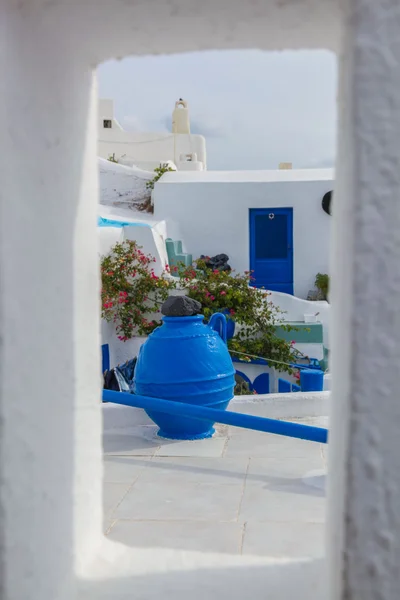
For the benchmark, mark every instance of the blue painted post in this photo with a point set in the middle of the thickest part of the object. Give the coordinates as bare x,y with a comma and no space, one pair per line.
283,386
311,380
181,409
105,355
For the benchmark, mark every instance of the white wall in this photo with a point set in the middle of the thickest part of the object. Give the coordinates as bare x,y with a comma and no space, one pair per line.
149,234
212,210
50,419
50,464
295,308
364,457
150,149
122,185
146,150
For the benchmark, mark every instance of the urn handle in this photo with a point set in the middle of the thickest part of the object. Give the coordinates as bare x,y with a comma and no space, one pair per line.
218,324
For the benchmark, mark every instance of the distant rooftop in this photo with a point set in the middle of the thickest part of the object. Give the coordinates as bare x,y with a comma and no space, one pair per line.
278,175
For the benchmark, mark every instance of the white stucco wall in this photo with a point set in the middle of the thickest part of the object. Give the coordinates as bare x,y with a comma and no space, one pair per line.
148,150
294,309
149,233
121,185
212,209
50,459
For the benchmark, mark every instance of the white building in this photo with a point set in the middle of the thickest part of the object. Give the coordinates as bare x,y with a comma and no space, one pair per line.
270,222
147,150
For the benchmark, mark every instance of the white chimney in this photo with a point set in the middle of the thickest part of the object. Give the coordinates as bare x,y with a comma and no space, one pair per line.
180,117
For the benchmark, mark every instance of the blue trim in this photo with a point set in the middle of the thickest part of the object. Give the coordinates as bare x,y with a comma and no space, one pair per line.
190,437
284,386
105,357
103,222
312,380
182,409
261,383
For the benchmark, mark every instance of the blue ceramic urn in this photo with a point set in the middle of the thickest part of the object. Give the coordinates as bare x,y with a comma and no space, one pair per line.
186,360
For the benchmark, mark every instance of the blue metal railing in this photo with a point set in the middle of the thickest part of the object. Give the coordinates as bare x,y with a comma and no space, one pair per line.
295,430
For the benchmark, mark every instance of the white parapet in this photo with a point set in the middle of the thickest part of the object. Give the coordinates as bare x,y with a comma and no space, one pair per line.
50,461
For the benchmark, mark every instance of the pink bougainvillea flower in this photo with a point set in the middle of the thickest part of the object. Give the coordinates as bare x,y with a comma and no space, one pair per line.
212,298
223,293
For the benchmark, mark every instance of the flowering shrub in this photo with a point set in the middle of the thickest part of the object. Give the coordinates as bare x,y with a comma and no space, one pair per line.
131,290
132,294
249,307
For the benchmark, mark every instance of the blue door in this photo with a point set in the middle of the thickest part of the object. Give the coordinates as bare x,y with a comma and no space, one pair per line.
271,248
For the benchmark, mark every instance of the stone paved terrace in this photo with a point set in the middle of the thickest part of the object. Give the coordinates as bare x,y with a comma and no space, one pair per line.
241,492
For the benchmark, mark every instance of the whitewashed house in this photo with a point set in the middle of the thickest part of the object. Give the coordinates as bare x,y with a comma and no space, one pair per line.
147,150
270,222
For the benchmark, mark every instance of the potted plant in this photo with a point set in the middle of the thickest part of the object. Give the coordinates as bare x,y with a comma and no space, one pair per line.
322,285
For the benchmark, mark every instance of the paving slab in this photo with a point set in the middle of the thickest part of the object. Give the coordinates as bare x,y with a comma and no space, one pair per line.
131,441
113,493
179,535
123,469
254,443
264,471
212,447
181,502
284,540
241,491
280,501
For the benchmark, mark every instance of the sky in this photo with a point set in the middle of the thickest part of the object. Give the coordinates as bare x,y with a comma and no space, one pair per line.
255,109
